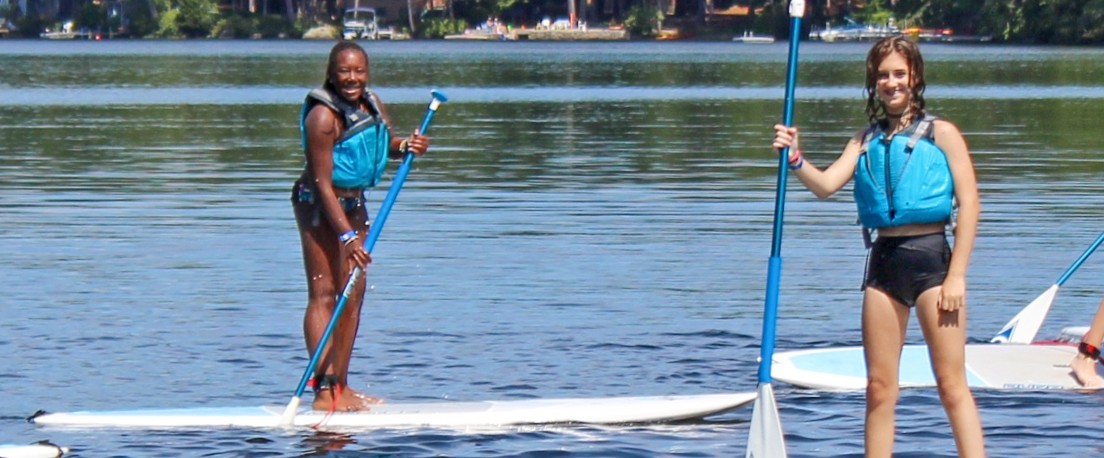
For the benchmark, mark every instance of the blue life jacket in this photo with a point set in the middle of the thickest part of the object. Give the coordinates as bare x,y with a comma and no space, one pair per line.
904,179
360,156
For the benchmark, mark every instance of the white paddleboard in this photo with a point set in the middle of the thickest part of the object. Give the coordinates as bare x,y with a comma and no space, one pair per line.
988,366
613,410
38,450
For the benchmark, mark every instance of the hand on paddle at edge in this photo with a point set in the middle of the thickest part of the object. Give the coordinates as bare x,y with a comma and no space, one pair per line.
354,252
786,137
416,143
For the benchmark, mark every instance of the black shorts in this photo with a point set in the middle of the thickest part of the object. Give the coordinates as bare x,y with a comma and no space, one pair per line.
302,194
905,267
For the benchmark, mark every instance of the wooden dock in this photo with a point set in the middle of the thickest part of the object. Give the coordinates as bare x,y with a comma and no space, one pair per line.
570,34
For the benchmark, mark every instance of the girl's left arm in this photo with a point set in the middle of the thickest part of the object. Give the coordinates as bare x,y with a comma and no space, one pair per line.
950,140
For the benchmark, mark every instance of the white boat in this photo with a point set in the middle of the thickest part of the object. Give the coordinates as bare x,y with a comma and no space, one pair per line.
854,31
360,23
750,37
66,32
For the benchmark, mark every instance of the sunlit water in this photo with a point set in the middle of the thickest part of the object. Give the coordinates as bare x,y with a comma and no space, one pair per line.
593,220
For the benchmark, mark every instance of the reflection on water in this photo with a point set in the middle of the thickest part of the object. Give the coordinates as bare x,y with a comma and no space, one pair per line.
223,64
605,234
261,95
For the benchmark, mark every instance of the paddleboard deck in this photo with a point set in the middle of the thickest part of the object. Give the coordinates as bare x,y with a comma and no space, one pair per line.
38,450
988,366
612,410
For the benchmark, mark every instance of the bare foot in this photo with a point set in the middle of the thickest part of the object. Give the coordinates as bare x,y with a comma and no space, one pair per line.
1084,370
355,396
347,400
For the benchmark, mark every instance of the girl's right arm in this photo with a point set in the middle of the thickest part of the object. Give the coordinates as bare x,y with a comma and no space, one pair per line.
322,134
825,182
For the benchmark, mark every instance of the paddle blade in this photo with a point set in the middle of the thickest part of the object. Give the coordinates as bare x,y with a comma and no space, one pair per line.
1023,327
288,418
765,439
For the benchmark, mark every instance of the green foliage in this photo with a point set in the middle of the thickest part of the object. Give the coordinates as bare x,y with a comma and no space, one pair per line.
234,26
480,10
248,26
1092,22
276,26
92,17
439,27
9,12
1003,19
28,25
876,12
1046,21
140,24
197,18
644,20
1026,21
167,25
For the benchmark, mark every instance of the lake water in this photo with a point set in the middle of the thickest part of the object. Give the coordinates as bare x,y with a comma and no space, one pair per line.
594,219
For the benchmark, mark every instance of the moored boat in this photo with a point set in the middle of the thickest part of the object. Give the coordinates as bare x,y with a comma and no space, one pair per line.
360,24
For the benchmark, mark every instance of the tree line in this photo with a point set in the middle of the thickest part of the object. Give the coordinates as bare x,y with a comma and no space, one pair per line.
1009,21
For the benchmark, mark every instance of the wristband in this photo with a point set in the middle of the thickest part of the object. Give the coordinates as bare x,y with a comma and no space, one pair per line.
1089,350
346,237
797,160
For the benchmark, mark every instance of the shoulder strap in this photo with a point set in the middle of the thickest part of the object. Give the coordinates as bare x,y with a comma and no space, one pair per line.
871,132
923,130
323,96
348,112
372,98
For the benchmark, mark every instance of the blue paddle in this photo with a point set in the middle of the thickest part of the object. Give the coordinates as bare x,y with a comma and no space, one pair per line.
765,438
369,243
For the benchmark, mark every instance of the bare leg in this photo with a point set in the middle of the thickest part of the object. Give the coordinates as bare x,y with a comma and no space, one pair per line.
344,338
1084,367
326,276
883,330
945,333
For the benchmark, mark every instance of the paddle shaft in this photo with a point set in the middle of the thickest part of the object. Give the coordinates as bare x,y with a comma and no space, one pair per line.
765,436
369,244
774,267
1080,260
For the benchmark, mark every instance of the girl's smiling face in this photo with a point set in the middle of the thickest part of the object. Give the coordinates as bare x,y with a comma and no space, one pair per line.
893,84
349,75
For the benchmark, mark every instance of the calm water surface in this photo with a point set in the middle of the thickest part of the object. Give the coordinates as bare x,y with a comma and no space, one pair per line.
593,220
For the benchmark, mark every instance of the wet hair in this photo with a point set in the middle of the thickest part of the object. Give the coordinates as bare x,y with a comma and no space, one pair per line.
875,109
335,53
